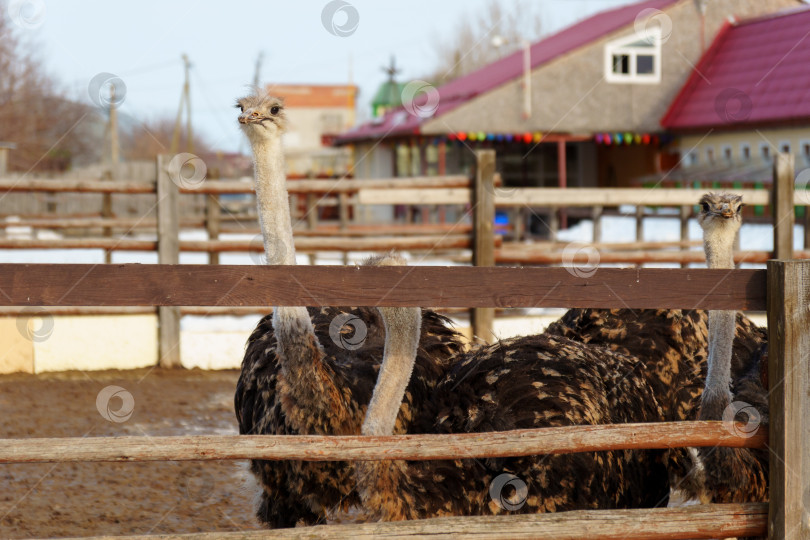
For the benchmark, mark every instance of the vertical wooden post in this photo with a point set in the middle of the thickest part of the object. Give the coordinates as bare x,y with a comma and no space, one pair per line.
168,211
596,215
312,219
806,225
639,223
562,174
212,223
483,235
343,209
106,212
686,211
782,206
789,399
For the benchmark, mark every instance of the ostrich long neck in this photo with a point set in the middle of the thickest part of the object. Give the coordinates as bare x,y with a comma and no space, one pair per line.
312,398
381,483
402,331
719,247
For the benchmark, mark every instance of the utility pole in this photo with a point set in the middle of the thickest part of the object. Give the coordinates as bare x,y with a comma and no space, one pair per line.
106,201
185,100
258,70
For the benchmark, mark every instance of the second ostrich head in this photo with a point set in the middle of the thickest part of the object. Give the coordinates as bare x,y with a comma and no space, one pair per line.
720,218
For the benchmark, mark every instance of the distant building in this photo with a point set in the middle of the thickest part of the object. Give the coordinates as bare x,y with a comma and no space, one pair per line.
578,108
316,113
748,98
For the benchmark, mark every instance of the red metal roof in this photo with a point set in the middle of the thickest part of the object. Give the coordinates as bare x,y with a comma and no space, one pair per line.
756,72
461,90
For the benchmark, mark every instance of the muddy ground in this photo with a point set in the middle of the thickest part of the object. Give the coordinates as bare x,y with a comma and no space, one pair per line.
86,499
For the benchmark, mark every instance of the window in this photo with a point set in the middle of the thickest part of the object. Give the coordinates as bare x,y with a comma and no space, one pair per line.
690,158
634,59
804,147
784,146
745,151
726,150
765,152
710,155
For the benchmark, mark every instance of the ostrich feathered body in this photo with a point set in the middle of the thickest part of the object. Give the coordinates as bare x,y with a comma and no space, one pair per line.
527,382
270,402
673,345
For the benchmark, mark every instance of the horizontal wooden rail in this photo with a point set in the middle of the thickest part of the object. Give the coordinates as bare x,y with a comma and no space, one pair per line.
232,186
568,197
530,256
248,285
524,442
305,244
690,522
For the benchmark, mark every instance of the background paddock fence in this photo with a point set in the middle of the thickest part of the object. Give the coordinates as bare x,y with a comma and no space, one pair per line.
784,284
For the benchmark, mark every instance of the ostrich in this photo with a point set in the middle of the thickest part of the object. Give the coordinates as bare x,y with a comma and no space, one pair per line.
526,382
732,474
300,375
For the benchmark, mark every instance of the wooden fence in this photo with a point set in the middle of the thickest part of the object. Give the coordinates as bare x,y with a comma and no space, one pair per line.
782,289
481,192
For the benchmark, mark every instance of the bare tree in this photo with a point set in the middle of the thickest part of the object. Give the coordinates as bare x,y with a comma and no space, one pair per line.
145,140
497,31
35,113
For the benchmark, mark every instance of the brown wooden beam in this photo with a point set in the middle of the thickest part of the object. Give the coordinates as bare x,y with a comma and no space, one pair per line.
245,285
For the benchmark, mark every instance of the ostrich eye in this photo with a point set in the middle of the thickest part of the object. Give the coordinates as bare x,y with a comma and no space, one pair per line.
274,110
740,207
705,206
240,107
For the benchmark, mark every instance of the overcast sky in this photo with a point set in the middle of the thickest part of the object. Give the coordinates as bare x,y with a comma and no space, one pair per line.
142,41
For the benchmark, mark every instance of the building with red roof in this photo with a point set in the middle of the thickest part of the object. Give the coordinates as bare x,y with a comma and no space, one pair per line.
578,108
747,98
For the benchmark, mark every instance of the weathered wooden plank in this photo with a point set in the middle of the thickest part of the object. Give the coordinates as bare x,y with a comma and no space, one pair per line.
701,521
77,186
782,208
789,399
168,248
426,242
554,197
534,256
524,442
484,237
238,285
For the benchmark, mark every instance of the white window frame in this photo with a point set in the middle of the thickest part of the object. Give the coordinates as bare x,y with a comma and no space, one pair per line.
711,157
690,158
762,146
743,146
801,153
785,143
621,46
727,149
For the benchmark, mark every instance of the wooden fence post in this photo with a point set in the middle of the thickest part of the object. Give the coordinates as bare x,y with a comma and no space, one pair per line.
596,216
782,206
343,216
686,211
483,235
212,223
168,222
789,401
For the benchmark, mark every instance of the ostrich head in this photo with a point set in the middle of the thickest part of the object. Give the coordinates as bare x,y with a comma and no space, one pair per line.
262,116
720,214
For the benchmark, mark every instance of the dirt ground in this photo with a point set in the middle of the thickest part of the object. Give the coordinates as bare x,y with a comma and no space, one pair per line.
86,499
